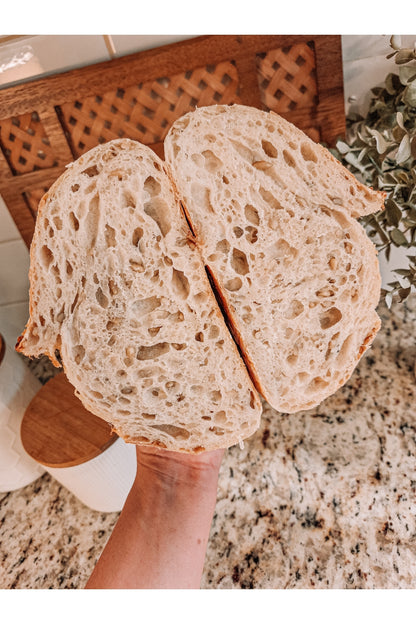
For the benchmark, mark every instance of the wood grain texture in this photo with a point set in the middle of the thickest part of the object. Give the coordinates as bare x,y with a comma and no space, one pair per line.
323,119
58,432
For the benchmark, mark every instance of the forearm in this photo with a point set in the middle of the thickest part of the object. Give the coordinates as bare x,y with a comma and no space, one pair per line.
161,536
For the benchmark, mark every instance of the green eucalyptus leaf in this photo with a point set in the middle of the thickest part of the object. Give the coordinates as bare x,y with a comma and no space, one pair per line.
409,95
404,151
342,147
352,160
400,120
404,56
393,212
381,143
404,272
405,74
390,84
398,237
404,293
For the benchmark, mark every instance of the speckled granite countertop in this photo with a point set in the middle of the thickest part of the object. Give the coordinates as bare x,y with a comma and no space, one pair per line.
324,498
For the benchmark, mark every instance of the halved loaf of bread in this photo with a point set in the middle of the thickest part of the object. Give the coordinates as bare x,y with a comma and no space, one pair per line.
119,288
296,274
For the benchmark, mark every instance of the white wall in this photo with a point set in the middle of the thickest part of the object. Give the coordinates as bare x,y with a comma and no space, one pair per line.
364,62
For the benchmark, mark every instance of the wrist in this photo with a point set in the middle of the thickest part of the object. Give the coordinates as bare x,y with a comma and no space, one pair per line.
168,469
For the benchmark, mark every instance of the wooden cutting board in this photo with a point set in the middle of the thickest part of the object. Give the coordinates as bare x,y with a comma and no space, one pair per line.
57,430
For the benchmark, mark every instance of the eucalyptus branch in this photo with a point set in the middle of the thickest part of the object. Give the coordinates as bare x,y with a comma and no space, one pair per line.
381,152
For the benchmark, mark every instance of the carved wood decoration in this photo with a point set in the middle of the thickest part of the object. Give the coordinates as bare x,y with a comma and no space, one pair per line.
47,123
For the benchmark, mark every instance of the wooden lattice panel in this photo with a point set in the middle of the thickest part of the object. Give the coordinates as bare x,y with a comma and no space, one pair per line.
287,78
33,198
25,145
146,111
142,94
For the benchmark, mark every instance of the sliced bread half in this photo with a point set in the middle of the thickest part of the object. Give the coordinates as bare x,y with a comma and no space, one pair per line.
119,289
296,274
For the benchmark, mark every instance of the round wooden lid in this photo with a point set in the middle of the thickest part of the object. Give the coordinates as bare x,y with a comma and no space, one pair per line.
57,430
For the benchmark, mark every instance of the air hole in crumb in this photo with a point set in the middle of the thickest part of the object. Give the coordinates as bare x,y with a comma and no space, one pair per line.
57,222
223,246
179,346
75,188
202,197
153,351
292,359
238,232
251,235
73,221
152,186
252,400
217,430
289,160
46,256
220,417
239,262
317,384
78,353
214,331
148,416
179,433
129,200
136,236
233,284
91,171
128,390
308,152
69,269
269,149
140,307
199,337
153,331
102,300
74,303
329,318
158,210
136,265
110,236
201,297
212,163
180,284
251,214
215,396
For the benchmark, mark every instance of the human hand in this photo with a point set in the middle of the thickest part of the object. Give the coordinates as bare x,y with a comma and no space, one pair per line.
171,468
162,533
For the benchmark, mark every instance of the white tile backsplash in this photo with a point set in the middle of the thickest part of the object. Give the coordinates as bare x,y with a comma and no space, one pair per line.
8,228
14,270
38,55
367,46
128,44
13,318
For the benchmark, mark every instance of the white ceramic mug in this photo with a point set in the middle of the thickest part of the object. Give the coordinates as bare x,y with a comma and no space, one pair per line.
17,387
